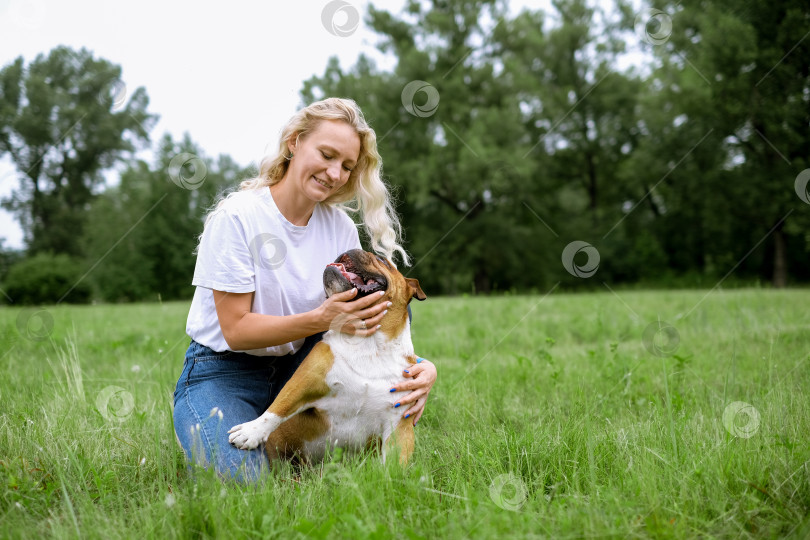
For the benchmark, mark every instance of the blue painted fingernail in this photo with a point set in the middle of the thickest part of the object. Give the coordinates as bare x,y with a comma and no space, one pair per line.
393,390
407,415
418,360
397,405
406,371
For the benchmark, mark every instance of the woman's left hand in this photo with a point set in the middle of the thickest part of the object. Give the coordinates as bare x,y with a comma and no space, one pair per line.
422,375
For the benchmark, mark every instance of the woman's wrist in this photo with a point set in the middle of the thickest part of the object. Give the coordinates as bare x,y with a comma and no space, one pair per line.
315,320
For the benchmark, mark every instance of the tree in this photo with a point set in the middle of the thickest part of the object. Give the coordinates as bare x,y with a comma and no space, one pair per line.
64,120
740,68
577,106
580,112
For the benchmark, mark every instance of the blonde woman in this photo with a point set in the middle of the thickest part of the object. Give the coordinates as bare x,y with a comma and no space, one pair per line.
254,316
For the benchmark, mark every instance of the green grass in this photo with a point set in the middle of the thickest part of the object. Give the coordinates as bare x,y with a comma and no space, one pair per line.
550,418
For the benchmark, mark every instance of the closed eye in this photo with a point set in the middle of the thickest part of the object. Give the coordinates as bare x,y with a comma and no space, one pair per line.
328,157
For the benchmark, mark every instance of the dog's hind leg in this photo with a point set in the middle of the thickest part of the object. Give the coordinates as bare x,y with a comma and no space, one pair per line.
291,437
401,441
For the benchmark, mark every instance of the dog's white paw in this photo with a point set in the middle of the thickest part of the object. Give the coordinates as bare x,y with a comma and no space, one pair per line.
251,434
248,436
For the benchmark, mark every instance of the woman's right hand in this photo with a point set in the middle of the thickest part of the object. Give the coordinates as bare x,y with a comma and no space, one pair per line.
356,317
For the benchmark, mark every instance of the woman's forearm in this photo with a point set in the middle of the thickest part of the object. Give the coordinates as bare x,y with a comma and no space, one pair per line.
257,331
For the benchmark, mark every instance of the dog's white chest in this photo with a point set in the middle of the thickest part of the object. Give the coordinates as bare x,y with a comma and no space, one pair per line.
360,406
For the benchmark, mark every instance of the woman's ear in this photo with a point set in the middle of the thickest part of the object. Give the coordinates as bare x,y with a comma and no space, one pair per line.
292,143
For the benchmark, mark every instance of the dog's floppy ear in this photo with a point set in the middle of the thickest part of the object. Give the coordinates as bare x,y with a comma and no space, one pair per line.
415,288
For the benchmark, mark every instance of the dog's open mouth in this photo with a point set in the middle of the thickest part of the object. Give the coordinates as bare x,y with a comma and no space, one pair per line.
366,282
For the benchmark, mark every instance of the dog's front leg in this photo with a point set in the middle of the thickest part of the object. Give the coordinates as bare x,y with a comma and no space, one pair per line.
249,435
307,385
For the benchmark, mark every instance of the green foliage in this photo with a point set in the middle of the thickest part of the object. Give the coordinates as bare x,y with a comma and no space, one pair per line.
730,91
46,278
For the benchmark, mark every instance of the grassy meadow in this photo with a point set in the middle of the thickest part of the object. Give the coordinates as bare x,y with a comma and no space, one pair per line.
624,414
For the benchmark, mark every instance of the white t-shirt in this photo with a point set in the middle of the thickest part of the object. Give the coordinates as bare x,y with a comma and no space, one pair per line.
247,246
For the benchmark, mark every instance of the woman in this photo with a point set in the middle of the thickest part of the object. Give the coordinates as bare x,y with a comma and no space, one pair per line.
259,304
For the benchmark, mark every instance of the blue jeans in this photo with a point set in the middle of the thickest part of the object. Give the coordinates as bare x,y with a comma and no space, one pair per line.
218,390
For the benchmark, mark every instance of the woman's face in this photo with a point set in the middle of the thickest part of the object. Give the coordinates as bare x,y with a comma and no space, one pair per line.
324,159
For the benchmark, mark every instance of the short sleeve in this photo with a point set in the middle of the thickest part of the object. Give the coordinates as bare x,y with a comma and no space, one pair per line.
224,262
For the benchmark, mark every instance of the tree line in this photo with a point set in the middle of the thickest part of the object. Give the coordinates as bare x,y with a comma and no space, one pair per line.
522,154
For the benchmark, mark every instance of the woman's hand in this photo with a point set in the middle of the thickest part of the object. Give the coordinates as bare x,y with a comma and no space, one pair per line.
422,375
356,317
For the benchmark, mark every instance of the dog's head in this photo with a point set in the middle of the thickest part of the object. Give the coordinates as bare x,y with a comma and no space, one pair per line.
371,273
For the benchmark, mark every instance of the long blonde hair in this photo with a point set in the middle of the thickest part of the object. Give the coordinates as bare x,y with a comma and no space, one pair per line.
365,192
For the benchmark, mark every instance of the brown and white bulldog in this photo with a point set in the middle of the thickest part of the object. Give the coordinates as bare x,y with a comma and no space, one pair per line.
339,395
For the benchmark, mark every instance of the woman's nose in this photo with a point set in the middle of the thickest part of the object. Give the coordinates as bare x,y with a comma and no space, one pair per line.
334,172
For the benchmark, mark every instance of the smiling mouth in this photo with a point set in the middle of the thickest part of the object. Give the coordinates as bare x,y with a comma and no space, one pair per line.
321,182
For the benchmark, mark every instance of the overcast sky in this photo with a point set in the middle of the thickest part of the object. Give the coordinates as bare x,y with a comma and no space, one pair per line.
228,74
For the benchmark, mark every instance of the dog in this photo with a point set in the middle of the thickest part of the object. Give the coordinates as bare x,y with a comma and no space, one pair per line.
340,394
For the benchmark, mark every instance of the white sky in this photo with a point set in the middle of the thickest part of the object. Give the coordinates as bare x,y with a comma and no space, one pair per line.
229,75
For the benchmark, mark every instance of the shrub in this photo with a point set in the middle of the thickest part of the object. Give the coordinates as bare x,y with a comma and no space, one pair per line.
44,279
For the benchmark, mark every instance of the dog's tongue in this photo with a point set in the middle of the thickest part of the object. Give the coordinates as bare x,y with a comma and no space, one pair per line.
351,276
